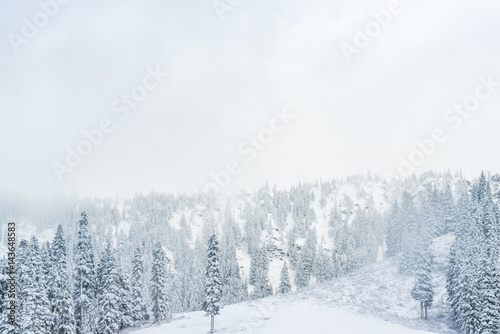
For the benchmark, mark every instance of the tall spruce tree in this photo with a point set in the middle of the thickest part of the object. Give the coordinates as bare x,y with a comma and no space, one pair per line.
306,260
489,284
213,293
158,285
489,279
423,290
394,230
61,301
473,281
126,301
285,285
22,281
139,310
108,293
409,232
323,267
84,278
35,314
262,286
233,288
7,320
453,277
449,209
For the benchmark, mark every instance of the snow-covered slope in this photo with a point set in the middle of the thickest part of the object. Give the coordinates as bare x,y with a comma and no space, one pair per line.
275,316
375,299
379,290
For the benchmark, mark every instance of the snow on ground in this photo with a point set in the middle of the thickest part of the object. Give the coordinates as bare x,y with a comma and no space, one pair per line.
375,299
380,291
274,316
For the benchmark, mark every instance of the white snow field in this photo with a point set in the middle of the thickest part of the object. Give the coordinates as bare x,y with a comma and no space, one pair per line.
375,299
273,316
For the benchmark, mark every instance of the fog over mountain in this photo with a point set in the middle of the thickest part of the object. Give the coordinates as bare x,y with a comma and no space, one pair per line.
234,166
360,102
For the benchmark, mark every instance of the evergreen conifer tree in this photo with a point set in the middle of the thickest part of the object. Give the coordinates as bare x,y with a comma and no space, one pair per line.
423,290
84,279
108,293
139,310
35,314
158,285
61,301
285,285
213,293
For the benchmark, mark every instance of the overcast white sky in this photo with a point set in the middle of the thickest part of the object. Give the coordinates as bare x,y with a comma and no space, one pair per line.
227,77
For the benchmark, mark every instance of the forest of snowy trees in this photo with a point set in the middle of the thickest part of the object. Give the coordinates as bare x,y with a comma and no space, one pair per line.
111,264
473,281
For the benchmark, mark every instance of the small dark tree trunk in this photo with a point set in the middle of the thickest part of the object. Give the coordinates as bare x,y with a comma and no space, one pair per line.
426,312
212,326
421,310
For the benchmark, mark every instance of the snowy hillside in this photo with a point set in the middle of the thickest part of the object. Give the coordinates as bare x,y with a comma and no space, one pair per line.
375,299
380,291
275,316
360,254
129,220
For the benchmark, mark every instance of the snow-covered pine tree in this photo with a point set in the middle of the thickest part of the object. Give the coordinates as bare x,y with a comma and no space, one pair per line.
262,286
108,293
301,277
489,275
281,208
61,301
139,310
126,301
453,278
84,279
285,285
158,285
394,230
213,293
22,280
306,260
254,267
175,289
409,231
481,190
464,213
423,290
323,267
293,254
462,277
489,284
233,288
449,209
6,327
434,209
34,317
196,277
469,310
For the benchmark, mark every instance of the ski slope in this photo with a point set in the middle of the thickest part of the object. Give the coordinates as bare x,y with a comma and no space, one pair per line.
375,299
272,316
